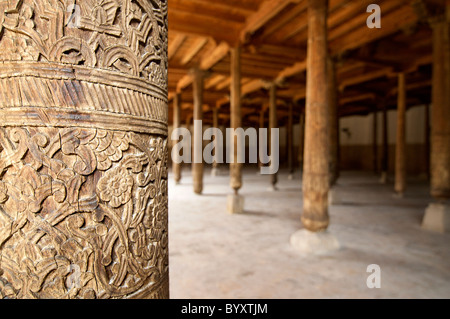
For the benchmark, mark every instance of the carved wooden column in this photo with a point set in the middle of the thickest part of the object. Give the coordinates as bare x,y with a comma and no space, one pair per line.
333,122
235,204
176,165
197,163
273,123
290,142
440,120
83,150
316,182
316,167
400,147
437,215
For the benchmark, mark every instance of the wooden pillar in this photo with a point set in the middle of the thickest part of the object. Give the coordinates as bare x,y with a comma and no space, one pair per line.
197,168
215,120
176,167
440,114
333,122
261,125
385,146
437,214
301,146
235,116
83,187
375,140
273,123
427,140
290,141
400,147
316,167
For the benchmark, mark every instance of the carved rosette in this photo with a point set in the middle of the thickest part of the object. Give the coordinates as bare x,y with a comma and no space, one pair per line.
83,149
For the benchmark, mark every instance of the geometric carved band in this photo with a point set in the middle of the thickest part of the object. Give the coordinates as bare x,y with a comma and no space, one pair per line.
86,94
56,117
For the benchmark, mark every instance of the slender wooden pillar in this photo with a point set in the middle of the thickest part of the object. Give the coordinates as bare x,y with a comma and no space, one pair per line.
333,122
215,120
273,123
301,146
427,140
197,168
262,122
375,140
440,120
176,167
316,167
400,149
235,116
84,150
385,146
290,142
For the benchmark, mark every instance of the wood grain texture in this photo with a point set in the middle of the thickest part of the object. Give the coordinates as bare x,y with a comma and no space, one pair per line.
83,149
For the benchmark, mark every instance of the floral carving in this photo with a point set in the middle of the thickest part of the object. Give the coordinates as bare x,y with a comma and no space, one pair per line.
74,227
115,187
128,36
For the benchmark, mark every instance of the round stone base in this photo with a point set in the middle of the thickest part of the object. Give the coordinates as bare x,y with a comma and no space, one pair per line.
437,218
235,204
308,242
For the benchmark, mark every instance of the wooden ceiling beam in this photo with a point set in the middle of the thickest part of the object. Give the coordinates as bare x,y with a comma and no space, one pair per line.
175,44
194,50
205,26
268,10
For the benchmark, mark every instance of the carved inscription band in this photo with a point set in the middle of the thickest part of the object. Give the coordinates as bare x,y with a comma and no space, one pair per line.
83,149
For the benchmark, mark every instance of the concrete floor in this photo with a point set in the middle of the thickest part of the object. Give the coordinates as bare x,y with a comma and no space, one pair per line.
217,255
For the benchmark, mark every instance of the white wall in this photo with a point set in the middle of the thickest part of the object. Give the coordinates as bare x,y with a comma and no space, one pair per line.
361,130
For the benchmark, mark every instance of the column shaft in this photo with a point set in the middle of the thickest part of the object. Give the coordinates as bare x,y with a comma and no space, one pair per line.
301,146
236,121
215,114
400,150
440,114
261,125
375,140
197,168
83,135
316,167
385,146
176,167
333,122
273,123
290,137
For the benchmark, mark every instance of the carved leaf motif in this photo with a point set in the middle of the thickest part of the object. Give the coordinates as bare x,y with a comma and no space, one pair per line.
49,193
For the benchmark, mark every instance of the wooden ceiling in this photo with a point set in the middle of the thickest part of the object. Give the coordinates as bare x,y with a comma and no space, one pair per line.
273,36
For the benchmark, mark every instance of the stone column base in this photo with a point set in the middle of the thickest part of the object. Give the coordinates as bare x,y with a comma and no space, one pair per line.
215,172
384,178
309,242
437,218
235,204
334,198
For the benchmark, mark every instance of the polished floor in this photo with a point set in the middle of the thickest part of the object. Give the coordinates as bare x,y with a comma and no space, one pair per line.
217,255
